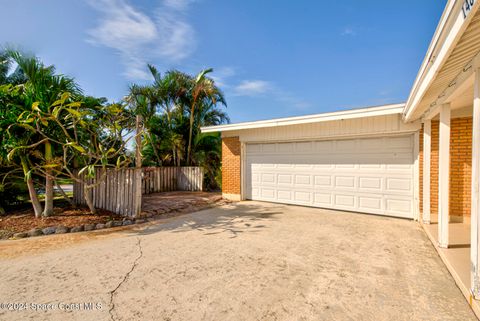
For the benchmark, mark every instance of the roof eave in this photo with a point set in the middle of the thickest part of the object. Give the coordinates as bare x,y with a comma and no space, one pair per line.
299,120
447,34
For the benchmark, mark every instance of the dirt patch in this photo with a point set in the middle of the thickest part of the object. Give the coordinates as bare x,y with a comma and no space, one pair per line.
171,204
24,220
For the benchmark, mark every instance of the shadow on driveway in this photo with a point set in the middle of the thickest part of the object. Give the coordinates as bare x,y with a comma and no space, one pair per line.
232,219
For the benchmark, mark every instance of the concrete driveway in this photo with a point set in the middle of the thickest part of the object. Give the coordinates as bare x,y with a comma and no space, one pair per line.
247,261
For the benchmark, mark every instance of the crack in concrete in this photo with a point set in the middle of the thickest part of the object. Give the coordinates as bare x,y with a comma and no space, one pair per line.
125,278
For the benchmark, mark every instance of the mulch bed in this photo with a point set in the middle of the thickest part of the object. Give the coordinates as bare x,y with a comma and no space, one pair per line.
155,206
24,220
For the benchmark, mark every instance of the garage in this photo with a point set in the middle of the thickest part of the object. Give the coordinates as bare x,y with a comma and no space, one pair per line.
369,175
361,160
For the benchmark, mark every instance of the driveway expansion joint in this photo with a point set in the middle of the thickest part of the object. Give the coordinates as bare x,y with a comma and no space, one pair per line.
125,278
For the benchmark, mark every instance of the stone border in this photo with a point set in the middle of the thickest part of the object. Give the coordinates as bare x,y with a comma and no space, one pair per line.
80,228
146,217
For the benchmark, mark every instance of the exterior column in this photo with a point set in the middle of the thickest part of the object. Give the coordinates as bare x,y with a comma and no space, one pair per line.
427,150
475,208
444,176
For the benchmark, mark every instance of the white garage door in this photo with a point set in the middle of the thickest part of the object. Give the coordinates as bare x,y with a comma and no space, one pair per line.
370,175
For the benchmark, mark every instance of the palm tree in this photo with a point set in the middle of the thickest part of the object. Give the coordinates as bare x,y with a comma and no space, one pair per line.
201,90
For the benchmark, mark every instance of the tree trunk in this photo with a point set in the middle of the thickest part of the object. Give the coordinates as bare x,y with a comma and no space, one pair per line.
155,151
189,149
88,199
48,210
37,207
65,196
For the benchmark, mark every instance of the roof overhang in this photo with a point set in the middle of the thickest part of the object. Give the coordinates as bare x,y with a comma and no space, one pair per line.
340,115
439,69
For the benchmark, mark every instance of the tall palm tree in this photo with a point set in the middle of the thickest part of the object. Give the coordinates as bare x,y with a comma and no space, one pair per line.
201,90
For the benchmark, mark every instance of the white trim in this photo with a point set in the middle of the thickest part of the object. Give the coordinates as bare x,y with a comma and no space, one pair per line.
475,207
446,37
444,176
243,166
298,120
427,151
336,137
416,178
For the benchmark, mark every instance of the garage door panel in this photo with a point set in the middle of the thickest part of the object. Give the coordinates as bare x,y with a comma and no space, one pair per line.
268,193
323,181
370,203
267,178
399,184
373,175
345,182
284,195
345,201
285,179
322,199
303,179
302,197
370,184
401,207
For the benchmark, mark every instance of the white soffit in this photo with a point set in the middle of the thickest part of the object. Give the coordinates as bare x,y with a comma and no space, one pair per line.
298,120
455,43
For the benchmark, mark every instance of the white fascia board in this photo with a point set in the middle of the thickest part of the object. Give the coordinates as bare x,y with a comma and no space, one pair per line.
443,43
299,120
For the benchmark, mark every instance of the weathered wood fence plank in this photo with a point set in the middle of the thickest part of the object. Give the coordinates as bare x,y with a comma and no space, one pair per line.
115,190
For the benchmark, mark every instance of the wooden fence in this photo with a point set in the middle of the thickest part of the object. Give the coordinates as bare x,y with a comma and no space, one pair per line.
116,191
166,179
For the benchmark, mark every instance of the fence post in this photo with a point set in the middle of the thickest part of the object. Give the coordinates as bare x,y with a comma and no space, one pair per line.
137,208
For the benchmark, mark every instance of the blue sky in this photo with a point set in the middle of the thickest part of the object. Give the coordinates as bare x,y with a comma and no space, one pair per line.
273,58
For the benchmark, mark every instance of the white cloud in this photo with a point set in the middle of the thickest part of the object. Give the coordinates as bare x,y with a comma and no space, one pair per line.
221,76
252,88
347,31
139,37
178,4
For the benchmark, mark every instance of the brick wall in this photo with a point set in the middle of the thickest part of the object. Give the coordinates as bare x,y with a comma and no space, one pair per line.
460,167
231,165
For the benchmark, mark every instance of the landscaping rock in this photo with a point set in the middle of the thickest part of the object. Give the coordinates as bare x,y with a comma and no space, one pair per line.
89,227
61,230
140,220
35,232
127,222
76,229
20,235
100,226
4,234
117,223
109,224
49,230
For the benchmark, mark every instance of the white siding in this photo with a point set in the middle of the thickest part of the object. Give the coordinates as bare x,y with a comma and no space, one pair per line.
388,124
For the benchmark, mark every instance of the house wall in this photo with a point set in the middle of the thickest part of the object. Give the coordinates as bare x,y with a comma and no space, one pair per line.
231,168
460,167
387,124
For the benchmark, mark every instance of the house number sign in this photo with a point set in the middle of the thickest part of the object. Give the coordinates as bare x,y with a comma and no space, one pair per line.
467,7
